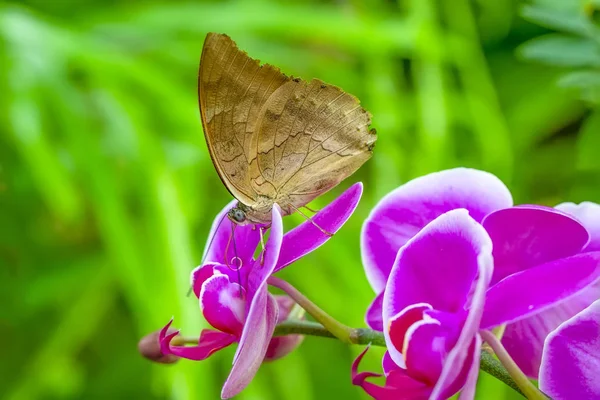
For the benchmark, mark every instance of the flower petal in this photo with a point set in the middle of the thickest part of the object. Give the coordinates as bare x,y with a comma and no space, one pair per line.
387,363
468,390
571,357
373,316
588,214
200,274
533,290
257,334
262,269
399,325
246,238
406,210
223,304
306,237
425,350
209,342
262,315
447,264
524,339
458,370
466,350
526,236
399,386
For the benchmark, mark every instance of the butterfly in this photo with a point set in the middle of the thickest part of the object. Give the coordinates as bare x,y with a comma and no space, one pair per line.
274,138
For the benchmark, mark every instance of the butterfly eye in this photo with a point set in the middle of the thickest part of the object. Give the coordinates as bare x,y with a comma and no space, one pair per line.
237,215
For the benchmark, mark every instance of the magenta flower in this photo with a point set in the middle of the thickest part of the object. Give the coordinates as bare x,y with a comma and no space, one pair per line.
535,249
432,309
524,339
571,361
231,286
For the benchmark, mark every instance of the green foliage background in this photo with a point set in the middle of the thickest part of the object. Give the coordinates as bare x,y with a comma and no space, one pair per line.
107,190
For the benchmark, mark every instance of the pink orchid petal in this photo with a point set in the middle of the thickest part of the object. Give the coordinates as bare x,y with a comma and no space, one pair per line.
524,339
373,318
468,390
307,237
387,363
209,342
247,238
252,349
262,269
458,369
571,357
262,315
399,386
400,323
223,304
588,214
438,266
406,210
531,291
426,349
200,274
526,236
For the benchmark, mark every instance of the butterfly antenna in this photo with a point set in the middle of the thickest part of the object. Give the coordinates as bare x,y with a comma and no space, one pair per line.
309,219
210,242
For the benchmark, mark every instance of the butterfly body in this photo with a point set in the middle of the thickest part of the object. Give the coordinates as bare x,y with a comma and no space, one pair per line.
274,138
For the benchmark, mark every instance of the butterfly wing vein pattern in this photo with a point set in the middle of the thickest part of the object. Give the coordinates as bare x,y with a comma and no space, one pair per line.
232,89
275,139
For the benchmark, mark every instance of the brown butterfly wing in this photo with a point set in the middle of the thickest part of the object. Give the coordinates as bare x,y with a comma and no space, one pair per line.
232,89
311,137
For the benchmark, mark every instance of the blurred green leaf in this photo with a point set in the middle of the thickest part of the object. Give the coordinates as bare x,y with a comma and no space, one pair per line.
562,50
587,83
560,15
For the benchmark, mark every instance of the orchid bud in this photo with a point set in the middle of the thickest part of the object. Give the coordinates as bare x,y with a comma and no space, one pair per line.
149,347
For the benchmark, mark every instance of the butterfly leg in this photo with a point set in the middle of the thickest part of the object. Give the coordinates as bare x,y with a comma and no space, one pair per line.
262,244
309,219
311,210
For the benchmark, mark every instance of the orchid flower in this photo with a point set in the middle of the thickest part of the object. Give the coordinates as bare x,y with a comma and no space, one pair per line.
231,286
432,309
569,367
535,250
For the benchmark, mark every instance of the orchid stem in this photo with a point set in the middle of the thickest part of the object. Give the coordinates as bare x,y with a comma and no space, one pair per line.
528,388
183,340
336,328
362,336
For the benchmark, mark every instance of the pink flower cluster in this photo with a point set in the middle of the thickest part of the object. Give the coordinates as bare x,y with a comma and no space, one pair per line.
448,255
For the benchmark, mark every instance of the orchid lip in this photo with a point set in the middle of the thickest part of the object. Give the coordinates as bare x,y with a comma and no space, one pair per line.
410,332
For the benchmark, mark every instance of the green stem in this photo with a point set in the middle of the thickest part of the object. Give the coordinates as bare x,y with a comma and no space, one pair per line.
339,330
357,336
528,388
183,340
